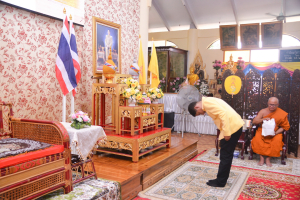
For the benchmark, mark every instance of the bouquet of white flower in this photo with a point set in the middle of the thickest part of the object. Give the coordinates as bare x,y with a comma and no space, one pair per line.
133,90
155,93
80,120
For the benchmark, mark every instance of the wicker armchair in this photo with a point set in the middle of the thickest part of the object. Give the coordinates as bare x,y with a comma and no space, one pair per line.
34,178
284,148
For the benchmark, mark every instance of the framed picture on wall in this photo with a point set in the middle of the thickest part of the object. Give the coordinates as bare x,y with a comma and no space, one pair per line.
271,34
106,37
228,37
249,36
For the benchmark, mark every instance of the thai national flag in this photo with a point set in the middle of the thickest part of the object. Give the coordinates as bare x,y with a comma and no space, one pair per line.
64,67
74,55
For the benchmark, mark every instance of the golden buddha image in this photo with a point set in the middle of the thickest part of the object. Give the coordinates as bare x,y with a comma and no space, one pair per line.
192,77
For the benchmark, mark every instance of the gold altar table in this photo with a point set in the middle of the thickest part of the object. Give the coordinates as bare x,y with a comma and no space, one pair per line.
137,145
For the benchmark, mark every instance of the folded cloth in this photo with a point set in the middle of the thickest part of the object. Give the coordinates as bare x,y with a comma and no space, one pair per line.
15,146
268,127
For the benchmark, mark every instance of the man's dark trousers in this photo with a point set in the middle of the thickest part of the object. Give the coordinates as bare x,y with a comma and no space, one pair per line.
226,156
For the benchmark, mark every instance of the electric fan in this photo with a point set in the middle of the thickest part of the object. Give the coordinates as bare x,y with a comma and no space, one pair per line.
281,16
186,95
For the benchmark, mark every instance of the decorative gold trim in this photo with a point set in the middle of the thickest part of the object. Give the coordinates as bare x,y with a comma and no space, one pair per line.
152,110
137,113
104,90
115,145
119,78
161,109
122,102
154,141
149,121
123,88
125,113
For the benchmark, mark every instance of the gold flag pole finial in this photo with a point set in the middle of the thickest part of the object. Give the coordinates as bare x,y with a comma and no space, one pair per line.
139,36
64,11
70,17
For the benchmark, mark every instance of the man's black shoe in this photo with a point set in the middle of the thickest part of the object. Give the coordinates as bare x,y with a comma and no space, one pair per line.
213,180
214,184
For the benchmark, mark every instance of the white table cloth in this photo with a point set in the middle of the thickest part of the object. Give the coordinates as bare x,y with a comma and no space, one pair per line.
82,141
200,124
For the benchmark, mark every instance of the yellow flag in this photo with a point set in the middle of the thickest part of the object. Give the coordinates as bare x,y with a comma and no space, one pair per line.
141,64
153,68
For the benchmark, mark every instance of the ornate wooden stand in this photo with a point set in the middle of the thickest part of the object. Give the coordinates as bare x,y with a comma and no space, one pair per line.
130,133
136,146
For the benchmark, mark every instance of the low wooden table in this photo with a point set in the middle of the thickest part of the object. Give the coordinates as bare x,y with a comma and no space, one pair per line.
82,143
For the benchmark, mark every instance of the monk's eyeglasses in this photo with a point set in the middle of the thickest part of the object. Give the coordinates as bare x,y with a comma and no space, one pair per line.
273,105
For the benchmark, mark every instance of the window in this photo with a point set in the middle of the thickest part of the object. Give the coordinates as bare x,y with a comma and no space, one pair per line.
268,55
215,45
161,43
235,54
287,41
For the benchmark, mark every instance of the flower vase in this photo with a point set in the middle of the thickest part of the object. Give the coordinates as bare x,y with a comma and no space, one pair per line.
217,74
155,101
79,125
131,102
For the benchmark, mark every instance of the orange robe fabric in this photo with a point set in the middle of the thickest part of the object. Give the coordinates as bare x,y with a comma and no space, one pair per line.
271,145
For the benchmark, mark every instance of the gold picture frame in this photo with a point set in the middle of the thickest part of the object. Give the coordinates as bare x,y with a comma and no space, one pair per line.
271,34
106,35
228,37
249,36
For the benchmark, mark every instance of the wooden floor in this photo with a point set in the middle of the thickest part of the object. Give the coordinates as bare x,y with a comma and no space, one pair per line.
135,177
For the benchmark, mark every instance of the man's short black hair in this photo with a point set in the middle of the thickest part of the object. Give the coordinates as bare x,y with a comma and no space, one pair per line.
191,108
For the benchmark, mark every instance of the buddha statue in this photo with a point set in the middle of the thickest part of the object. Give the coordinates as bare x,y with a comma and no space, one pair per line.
230,65
192,77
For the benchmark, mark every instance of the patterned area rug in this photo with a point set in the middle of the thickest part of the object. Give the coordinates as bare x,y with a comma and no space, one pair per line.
292,165
90,189
189,183
278,182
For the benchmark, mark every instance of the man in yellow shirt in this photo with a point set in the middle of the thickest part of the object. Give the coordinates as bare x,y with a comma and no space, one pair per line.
230,124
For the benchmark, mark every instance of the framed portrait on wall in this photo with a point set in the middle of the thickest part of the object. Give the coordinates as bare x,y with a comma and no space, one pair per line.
271,34
249,36
228,37
106,38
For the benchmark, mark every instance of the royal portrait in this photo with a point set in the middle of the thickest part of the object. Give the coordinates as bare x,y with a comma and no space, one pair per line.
106,40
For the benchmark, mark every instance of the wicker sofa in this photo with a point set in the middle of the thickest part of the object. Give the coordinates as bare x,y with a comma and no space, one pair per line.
32,177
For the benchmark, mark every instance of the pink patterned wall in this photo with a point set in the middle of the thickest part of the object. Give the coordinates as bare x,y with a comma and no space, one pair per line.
28,49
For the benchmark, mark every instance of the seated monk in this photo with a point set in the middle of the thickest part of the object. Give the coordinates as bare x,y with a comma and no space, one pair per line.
192,77
270,146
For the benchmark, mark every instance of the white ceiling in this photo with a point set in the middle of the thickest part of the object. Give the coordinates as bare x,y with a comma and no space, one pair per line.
173,15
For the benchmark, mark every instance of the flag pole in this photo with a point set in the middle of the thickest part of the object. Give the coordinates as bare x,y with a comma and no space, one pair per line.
64,96
64,109
72,97
148,66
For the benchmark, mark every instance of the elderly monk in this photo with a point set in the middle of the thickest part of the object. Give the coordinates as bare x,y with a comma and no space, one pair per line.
270,146
230,124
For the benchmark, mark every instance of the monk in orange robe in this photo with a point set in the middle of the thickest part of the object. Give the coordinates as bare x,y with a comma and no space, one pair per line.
270,146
